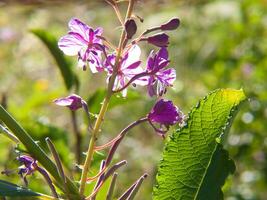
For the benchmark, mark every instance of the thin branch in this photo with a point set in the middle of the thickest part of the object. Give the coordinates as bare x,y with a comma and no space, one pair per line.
97,175
121,136
116,9
108,144
78,137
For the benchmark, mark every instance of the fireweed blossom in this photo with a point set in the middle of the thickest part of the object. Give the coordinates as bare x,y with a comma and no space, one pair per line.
129,67
165,114
159,77
81,40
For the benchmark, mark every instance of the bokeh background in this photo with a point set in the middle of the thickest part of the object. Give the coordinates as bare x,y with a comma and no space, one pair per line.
220,44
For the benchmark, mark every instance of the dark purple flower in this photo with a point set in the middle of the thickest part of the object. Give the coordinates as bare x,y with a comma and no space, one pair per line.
172,24
160,77
129,67
74,102
165,114
29,166
159,40
81,40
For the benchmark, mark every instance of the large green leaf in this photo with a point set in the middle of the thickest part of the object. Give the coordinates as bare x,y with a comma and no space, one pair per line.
194,164
12,190
70,79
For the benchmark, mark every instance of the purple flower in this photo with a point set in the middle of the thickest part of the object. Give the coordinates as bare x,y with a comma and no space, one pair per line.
160,77
29,166
74,102
82,41
165,114
129,67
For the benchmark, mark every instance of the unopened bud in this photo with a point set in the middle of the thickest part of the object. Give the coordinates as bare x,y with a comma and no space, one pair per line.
130,28
159,40
74,102
172,24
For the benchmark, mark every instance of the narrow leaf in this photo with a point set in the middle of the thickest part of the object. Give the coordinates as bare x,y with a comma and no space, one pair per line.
194,164
70,79
34,148
12,190
57,159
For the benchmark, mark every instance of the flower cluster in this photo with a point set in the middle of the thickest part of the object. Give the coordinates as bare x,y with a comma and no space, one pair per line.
88,44
95,51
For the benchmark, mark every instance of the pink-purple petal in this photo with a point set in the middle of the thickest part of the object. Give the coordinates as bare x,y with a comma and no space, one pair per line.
70,45
78,26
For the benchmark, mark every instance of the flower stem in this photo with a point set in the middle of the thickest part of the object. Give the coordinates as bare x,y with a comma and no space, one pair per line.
104,107
78,137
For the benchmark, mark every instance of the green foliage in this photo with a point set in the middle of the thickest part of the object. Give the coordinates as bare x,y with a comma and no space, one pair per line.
194,164
34,148
12,190
65,67
40,130
94,102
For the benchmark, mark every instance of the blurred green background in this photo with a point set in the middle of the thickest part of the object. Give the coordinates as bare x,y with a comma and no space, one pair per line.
219,44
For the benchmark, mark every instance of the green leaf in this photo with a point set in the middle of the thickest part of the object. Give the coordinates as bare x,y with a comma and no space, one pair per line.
94,102
35,150
12,190
194,164
70,79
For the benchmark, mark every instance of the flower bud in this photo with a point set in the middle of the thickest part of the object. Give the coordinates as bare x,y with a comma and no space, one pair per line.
159,40
74,102
130,28
172,24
